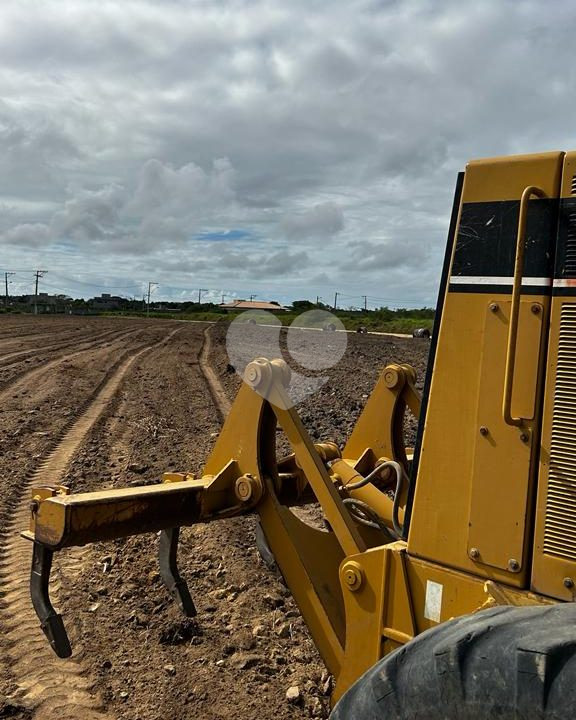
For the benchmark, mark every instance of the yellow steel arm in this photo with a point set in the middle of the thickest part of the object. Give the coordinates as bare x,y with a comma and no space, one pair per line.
243,475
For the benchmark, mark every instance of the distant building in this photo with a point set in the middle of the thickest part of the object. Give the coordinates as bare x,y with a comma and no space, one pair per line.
44,303
107,302
251,305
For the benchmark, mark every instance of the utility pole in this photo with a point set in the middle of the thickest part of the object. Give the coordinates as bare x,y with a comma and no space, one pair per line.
365,302
150,284
252,297
38,274
6,275
318,298
223,296
200,291
336,299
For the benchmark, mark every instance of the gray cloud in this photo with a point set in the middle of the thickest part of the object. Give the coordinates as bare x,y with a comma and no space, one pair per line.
385,255
27,234
89,215
321,221
342,126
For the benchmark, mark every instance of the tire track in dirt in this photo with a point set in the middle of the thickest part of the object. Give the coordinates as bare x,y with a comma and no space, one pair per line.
25,377
62,345
126,651
47,685
218,393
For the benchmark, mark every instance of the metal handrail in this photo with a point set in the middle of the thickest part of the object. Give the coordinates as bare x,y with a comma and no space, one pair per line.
509,419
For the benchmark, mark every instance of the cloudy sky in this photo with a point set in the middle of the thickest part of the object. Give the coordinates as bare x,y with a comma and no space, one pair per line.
286,149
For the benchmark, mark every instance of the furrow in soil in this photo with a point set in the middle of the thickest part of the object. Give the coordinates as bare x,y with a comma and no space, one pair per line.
46,684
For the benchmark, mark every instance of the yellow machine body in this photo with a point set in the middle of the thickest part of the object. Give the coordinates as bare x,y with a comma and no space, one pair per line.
484,508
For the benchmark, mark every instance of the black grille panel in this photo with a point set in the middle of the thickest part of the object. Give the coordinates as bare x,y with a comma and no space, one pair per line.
560,523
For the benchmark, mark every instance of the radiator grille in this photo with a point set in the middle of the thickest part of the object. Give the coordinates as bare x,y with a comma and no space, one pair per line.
560,524
573,185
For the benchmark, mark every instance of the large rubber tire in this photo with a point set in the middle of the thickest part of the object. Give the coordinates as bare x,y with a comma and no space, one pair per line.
504,662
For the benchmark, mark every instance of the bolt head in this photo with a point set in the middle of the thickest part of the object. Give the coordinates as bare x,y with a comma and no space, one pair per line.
494,307
568,583
535,309
474,553
391,378
248,488
253,374
483,430
243,489
513,565
353,575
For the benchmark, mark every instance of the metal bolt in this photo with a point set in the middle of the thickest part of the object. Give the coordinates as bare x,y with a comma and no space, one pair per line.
391,378
525,437
494,307
513,565
483,430
353,575
248,488
536,309
251,374
474,553
568,583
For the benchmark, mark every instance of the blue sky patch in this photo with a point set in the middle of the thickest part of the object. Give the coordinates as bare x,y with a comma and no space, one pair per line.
225,235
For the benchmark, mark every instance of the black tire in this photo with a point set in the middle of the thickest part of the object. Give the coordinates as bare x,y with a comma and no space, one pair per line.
506,663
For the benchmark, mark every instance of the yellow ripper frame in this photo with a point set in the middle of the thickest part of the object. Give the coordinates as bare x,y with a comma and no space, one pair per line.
242,475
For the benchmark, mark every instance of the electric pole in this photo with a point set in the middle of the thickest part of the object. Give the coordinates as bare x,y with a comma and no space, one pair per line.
252,297
336,299
318,298
38,274
150,284
365,302
223,296
6,275
200,291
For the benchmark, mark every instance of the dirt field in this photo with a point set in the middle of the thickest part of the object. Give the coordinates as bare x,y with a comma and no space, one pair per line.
97,402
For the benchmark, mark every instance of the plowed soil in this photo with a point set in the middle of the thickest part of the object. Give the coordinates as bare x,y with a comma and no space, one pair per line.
123,401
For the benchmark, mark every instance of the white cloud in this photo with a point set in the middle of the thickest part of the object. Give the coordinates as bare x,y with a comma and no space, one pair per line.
343,126
180,192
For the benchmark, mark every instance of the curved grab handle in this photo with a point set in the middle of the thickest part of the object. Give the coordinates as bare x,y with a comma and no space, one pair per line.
509,419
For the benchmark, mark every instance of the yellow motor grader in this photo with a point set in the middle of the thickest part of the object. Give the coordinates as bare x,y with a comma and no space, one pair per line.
442,583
